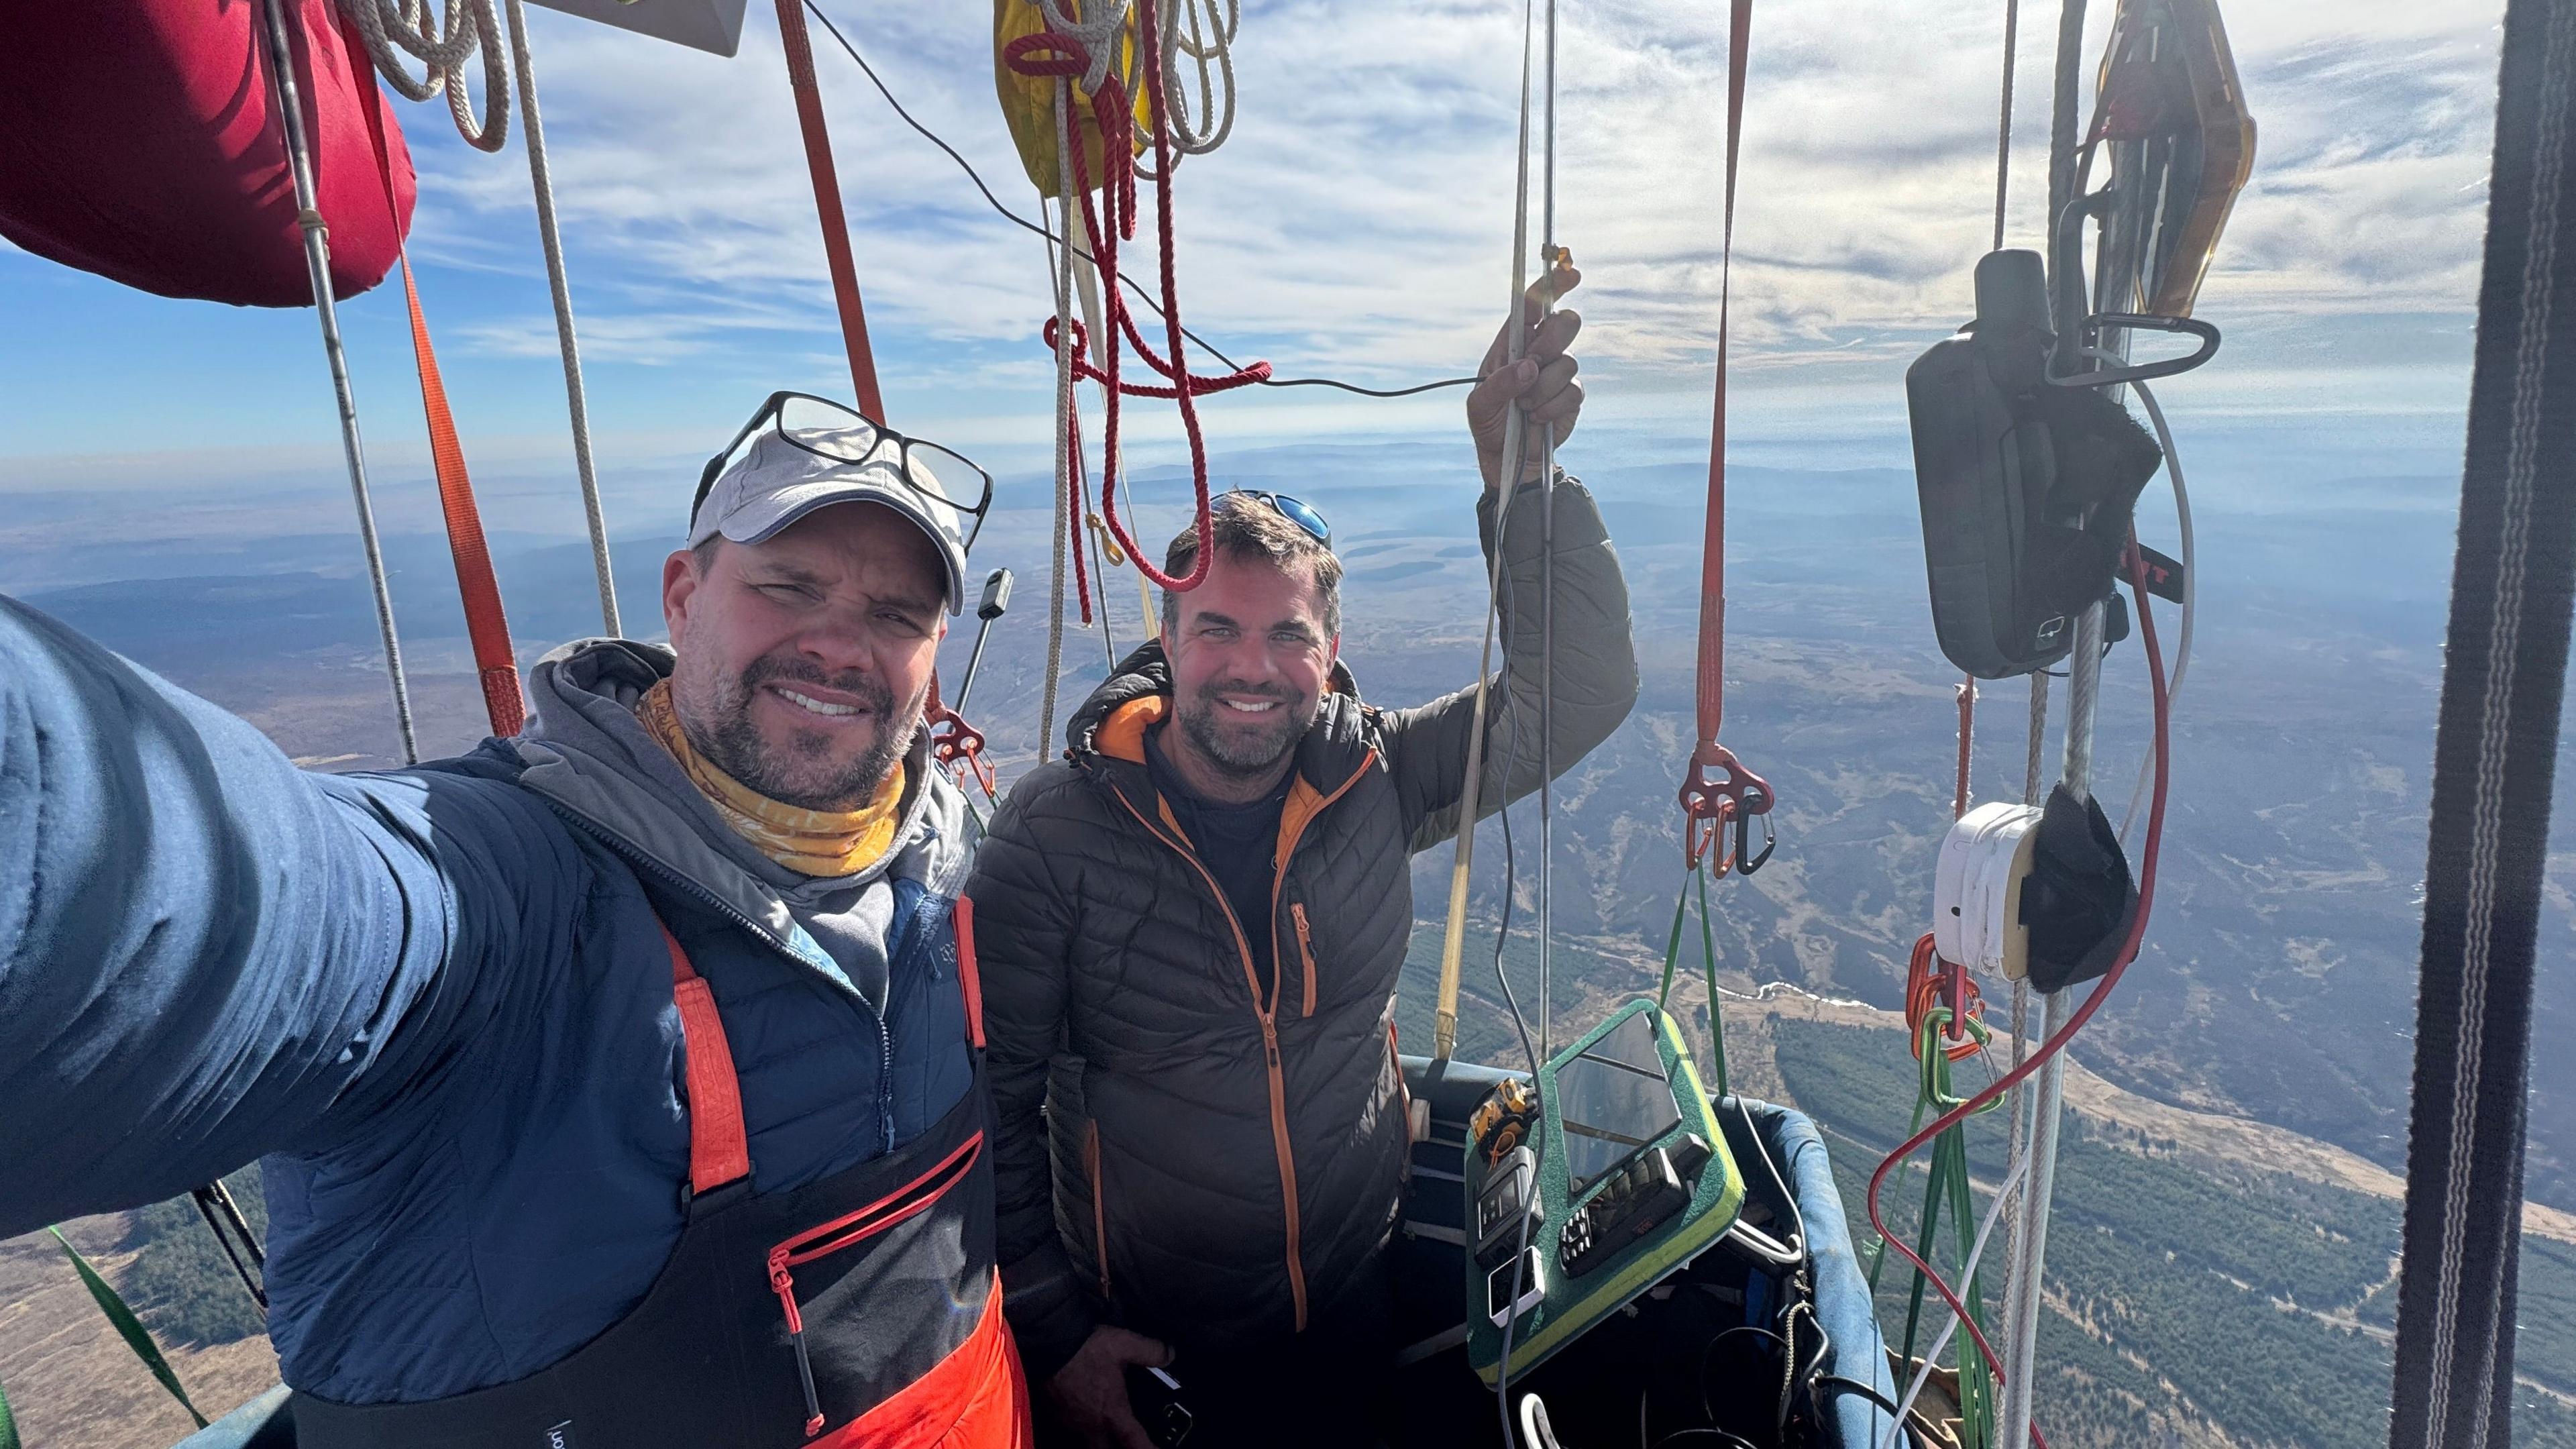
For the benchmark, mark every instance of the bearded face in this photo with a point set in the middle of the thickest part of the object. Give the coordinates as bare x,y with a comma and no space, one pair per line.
830,745
804,660
1245,727
1250,663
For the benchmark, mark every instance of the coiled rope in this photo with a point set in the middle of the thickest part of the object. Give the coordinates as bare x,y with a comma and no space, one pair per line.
1210,48
394,28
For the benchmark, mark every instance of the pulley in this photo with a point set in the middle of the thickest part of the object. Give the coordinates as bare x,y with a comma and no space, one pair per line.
1977,888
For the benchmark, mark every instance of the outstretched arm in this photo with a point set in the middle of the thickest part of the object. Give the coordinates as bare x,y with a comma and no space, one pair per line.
1594,674
207,954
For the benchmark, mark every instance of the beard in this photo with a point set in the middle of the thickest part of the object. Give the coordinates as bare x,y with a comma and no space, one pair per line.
806,768
1232,741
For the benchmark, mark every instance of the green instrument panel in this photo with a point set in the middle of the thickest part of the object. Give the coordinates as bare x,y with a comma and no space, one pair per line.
1628,1087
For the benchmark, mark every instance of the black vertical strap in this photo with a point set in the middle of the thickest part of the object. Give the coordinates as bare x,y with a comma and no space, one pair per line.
2492,766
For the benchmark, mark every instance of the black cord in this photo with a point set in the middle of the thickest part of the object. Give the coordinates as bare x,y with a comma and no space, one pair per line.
1023,223
1502,933
1723,1436
1855,1386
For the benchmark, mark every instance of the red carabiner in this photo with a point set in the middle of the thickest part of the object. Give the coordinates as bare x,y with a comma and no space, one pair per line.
1719,791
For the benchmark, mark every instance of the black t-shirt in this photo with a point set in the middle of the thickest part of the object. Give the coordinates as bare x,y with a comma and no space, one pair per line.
1236,843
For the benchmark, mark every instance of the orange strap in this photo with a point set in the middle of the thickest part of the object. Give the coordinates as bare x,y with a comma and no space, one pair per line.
495,663
969,980
719,1148
827,207
1712,567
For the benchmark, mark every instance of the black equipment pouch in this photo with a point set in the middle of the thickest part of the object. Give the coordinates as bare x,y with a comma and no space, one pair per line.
2079,899
2027,487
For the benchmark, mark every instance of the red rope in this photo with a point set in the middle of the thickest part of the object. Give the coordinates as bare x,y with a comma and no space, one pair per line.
2092,1001
827,207
1716,789
1055,55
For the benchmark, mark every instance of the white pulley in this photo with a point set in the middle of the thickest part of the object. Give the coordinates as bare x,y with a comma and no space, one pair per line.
1976,889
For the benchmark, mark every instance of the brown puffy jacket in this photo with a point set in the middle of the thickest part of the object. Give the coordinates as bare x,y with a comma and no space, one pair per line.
1210,1166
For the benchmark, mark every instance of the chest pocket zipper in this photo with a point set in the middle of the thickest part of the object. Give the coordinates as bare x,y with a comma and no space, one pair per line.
1305,952
846,1232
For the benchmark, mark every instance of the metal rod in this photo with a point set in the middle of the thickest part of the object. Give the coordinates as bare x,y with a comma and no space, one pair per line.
317,264
1547,587
232,1232
996,602
1453,940
2048,1087
576,398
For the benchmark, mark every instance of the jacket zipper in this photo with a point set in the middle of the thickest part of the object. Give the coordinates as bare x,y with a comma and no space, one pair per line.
848,1231
762,934
1266,1012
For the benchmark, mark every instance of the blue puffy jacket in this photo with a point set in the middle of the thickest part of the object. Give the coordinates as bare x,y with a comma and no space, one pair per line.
434,1002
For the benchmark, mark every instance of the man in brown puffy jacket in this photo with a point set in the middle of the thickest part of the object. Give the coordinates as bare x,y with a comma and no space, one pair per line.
1189,932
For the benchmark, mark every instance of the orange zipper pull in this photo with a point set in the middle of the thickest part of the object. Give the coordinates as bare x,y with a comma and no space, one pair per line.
783,1283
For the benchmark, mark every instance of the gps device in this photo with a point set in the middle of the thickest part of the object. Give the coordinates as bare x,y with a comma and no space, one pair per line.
1507,1210
1615,1103
1628,1146
1500,1305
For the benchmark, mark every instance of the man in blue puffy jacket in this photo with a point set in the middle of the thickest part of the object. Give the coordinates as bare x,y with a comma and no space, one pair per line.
618,1083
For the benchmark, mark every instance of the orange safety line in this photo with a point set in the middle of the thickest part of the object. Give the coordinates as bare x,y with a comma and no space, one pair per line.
827,207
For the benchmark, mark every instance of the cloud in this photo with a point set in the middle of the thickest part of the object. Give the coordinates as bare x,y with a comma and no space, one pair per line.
1358,220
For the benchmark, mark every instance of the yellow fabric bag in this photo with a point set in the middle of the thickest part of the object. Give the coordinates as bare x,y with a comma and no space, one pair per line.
1028,102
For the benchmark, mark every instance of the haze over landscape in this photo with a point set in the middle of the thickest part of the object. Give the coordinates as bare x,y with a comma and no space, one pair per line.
168,483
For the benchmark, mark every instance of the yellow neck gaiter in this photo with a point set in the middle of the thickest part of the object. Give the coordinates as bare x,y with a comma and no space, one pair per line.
810,842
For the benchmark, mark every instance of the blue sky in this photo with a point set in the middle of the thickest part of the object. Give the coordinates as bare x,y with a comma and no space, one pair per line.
1358,222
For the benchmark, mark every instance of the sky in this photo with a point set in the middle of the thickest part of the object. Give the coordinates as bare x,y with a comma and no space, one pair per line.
1357,223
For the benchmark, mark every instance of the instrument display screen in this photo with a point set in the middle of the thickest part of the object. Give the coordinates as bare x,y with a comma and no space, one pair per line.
1614,1100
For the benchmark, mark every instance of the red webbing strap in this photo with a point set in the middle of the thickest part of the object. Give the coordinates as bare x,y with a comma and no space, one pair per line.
719,1149
827,207
496,664
1717,789
1712,567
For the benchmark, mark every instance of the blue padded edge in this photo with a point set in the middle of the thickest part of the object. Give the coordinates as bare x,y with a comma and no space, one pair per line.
1843,1302
263,1423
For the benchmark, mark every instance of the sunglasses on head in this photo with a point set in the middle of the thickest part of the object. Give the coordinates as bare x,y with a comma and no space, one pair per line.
826,429
1296,511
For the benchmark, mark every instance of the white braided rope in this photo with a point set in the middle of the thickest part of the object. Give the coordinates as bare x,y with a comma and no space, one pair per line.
1210,47
395,28
1098,36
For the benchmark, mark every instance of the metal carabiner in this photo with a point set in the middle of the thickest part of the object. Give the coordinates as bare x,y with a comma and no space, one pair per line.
1744,839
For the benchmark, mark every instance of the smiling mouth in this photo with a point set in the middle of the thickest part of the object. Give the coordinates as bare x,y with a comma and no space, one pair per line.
812,705
1251,706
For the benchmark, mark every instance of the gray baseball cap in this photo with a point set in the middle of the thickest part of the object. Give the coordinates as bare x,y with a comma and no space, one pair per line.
784,476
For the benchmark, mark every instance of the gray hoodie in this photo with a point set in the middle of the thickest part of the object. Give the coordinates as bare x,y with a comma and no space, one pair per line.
585,749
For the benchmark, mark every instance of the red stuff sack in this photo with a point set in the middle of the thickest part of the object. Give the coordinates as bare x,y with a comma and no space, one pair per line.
139,141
